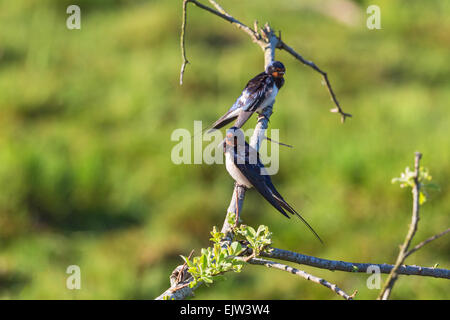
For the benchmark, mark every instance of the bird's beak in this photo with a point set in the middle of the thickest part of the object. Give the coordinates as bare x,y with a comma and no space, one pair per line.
278,74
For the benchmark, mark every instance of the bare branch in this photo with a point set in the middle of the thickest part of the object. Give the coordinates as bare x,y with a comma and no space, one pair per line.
303,274
236,204
336,265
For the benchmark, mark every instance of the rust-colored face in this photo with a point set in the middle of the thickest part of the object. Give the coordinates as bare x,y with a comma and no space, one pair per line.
234,137
278,73
231,139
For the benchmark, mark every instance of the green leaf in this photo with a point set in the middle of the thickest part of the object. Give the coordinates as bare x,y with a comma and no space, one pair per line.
236,247
262,229
252,232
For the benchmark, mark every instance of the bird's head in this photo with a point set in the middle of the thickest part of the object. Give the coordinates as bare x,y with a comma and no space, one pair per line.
235,137
276,69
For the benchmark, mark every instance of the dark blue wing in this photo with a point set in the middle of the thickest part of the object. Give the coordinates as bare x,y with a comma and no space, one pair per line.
256,91
262,183
252,96
265,187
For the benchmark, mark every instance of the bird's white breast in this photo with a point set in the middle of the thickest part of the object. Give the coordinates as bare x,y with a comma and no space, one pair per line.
270,98
234,171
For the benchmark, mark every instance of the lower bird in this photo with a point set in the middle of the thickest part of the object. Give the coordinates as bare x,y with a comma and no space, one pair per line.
245,167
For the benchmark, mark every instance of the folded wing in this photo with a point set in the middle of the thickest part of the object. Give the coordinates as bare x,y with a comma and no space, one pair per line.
264,185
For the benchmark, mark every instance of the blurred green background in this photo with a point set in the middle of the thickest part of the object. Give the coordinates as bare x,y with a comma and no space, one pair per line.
86,118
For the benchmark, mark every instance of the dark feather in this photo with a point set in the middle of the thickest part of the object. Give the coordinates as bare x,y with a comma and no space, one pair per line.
223,121
279,82
263,184
242,118
257,89
250,171
255,92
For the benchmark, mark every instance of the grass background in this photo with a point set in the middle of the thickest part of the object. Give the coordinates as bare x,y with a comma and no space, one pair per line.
85,123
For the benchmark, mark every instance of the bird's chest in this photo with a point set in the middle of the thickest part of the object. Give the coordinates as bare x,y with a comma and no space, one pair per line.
269,98
234,171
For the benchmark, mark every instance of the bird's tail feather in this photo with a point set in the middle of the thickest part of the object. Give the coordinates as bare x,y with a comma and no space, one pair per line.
242,118
309,227
286,206
221,123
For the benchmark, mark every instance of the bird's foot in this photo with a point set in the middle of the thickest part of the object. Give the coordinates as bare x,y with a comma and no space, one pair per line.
240,185
262,116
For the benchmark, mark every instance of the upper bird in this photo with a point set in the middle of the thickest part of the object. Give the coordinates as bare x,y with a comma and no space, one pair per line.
259,93
243,164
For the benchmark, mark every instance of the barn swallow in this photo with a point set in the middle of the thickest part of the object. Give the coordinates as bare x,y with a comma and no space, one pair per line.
243,164
259,93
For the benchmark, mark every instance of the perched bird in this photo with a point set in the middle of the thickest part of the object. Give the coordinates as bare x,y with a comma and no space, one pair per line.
243,164
259,93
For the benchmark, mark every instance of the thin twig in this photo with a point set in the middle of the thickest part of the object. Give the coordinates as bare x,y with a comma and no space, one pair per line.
252,33
389,284
182,41
303,274
311,64
420,245
227,17
280,143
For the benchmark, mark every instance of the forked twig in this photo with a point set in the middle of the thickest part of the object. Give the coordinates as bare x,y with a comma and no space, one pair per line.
182,41
387,288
